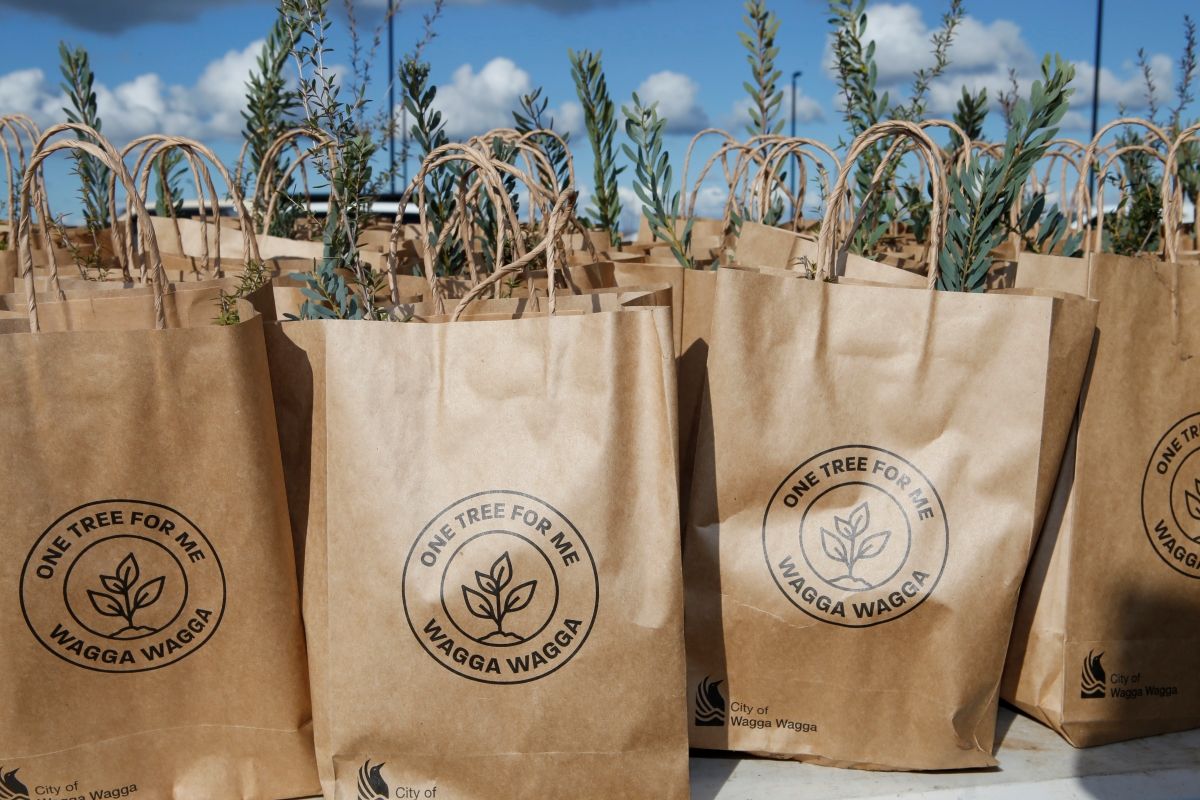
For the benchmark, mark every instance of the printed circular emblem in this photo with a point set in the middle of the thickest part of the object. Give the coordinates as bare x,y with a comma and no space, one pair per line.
1171,497
500,588
856,536
122,586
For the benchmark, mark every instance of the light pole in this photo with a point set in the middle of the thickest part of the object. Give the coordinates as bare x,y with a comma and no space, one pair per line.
795,76
391,12
1096,94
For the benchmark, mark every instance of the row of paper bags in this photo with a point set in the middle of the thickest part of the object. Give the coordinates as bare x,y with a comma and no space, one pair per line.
486,513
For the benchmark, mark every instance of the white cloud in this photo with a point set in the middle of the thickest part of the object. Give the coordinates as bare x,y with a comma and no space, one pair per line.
675,94
568,118
23,92
1129,91
210,109
980,57
475,102
710,201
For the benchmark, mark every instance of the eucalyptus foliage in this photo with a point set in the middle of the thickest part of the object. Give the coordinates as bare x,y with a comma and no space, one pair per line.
970,112
428,133
342,285
599,116
856,75
983,192
765,97
1045,230
270,111
78,82
532,116
652,170
168,177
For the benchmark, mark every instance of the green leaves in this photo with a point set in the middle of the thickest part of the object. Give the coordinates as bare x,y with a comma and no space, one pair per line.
348,173
765,96
599,116
532,117
270,110
429,133
983,192
970,112
78,81
652,169
1045,230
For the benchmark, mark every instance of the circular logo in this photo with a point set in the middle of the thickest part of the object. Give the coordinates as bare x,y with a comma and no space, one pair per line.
500,588
1171,497
122,586
856,536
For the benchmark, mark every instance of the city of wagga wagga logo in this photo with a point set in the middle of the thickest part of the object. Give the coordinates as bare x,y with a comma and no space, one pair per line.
122,586
1171,497
856,536
500,588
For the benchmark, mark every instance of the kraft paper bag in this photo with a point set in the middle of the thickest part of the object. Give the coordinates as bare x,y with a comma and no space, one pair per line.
1107,640
691,313
504,619
152,643
872,470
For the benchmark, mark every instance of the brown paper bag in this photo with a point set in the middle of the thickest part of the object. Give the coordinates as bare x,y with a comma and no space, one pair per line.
148,611
1107,641
691,313
871,472
506,618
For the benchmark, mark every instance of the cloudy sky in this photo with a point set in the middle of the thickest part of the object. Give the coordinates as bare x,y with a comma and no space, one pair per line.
179,66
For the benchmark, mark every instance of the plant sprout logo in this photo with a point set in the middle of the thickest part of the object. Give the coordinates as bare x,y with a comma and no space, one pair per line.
1171,497
11,787
710,704
856,536
850,545
122,586
117,600
494,601
500,587
1093,681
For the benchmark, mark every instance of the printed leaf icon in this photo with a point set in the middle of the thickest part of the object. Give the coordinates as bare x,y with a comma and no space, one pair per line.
860,519
112,583
843,528
478,605
833,546
873,545
1193,501
485,582
502,571
127,571
520,597
105,604
149,593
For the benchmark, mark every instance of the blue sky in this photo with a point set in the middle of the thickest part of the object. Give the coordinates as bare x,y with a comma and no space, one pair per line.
179,66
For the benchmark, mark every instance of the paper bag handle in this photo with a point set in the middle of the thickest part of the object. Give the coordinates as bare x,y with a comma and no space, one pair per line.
557,224
489,181
105,153
826,257
1172,192
196,154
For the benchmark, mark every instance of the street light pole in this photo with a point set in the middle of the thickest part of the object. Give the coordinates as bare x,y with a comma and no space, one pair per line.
1096,93
795,75
391,12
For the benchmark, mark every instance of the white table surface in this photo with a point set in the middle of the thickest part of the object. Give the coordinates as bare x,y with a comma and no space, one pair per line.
1034,764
